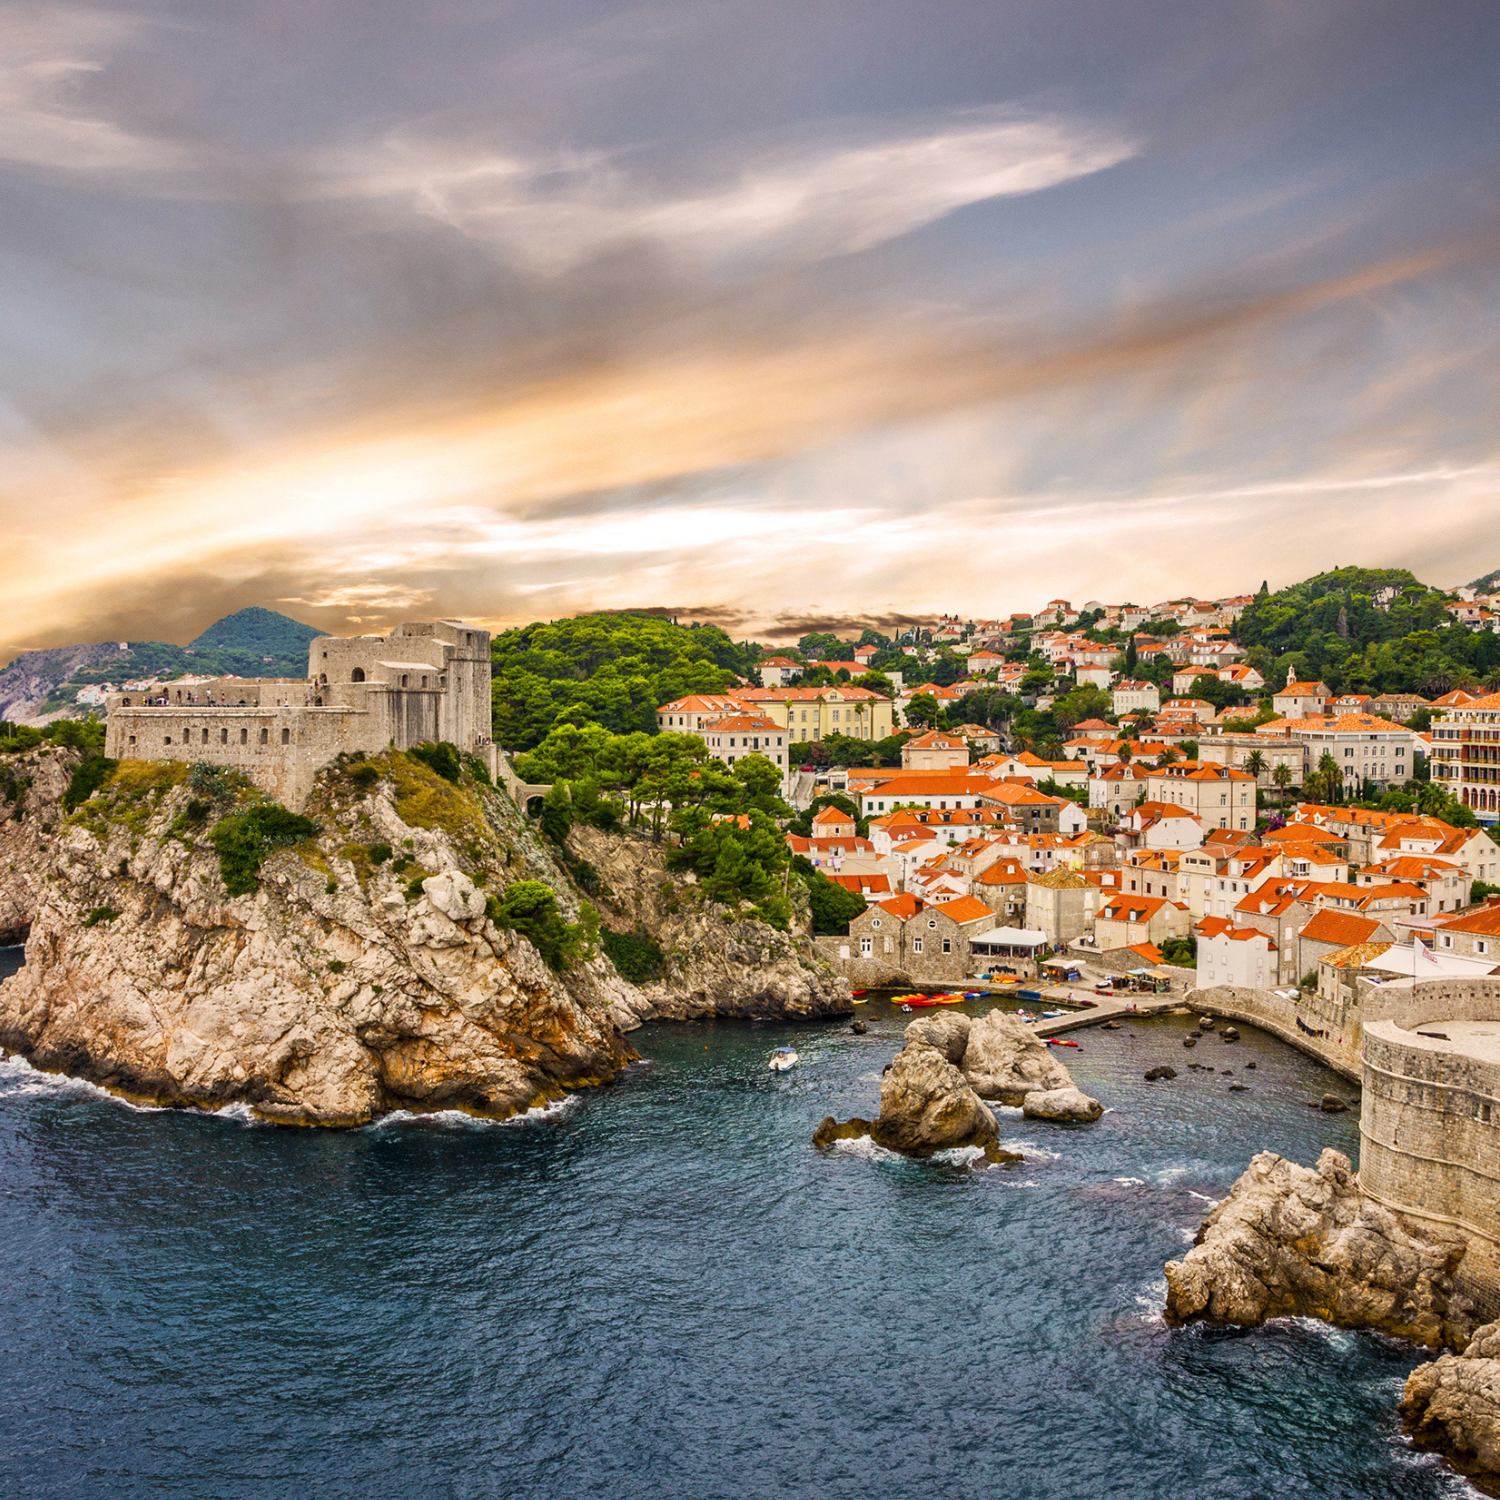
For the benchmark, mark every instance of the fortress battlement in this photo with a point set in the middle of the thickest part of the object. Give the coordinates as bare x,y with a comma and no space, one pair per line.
429,680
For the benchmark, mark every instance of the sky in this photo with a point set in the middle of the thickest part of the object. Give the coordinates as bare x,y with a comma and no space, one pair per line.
780,315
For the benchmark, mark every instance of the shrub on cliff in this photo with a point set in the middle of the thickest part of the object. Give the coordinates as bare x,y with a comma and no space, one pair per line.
87,779
441,757
736,859
833,906
635,956
245,839
530,908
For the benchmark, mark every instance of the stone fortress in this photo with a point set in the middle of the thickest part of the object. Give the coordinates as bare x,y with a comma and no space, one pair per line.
423,681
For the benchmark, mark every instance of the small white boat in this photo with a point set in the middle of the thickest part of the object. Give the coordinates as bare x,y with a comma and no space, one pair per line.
781,1059
1051,1015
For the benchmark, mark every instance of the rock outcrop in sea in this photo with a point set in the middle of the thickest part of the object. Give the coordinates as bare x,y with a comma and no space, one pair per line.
1452,1405
366,966
932,1094
1297,1241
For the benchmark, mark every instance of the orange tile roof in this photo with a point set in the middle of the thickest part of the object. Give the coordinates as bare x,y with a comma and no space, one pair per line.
1124,908
1149,951
834,815
904,906
1484,921
1341,927
964,909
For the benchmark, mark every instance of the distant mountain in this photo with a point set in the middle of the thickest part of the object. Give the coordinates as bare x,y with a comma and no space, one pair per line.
1487,584
42,685
260,631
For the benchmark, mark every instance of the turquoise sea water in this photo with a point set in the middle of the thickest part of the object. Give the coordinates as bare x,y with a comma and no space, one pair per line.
660,1289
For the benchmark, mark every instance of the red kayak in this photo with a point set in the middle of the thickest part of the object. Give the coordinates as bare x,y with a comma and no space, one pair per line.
1057,1041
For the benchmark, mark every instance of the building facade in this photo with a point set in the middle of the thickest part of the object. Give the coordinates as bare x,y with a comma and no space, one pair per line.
1466,755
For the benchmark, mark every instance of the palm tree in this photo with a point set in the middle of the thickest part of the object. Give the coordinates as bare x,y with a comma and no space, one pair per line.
1282,776
1332,777
1255,763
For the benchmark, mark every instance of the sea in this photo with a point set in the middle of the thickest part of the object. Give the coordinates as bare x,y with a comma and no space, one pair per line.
660,1289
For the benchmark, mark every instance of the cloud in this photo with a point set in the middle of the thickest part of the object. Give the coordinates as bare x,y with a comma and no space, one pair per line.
46,56
550,214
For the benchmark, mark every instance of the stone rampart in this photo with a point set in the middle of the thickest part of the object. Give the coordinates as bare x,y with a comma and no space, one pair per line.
280,749
1263,1008
1430,1122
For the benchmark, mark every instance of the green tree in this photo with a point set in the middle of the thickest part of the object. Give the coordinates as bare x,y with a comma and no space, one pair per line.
923,709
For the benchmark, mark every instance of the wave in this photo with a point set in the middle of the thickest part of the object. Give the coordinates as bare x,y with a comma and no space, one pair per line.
19,1080
458,1119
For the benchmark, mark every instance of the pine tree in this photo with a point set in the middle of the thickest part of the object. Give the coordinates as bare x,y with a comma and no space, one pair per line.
1132,658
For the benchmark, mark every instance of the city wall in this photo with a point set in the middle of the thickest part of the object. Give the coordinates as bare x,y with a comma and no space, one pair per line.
279,748
1339,1049
1430,1126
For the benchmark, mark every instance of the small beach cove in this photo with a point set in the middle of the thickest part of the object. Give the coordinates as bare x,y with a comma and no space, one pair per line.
660,1288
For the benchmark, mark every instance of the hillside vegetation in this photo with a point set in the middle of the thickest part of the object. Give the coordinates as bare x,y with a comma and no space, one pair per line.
1342,628
612,669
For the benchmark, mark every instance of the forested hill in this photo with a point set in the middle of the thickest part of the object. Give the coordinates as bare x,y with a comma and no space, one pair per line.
260,633
612,669
1487,584
1371,630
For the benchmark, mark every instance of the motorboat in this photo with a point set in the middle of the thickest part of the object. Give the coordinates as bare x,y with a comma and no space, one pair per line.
1051,1015
782,1059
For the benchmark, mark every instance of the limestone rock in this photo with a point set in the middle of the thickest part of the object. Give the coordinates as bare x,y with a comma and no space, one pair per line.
830,1131
926,1105
319,998
1160,1071
1294,1241
1061,1104
1005,1061
1453,1405
713,967
946,1031
455,896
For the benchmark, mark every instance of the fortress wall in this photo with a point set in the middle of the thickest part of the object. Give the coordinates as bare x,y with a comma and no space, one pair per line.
279,749
1430,1134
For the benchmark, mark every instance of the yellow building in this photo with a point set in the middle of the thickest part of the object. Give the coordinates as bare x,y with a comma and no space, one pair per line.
815,713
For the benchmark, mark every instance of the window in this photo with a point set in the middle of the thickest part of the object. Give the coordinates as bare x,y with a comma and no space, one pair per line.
244,736
916,945
1447,940
403,679
1481,946
167,740
947,945
265,736
931,922
132,739
875,922
865,945
357,675
286,736
223,736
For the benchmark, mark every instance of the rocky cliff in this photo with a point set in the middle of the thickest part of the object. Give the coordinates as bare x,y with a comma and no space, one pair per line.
714,964
365,967
31,813
1295,1241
